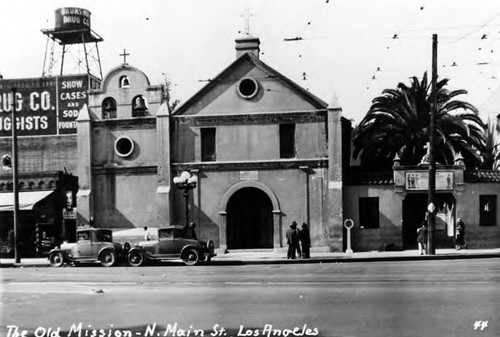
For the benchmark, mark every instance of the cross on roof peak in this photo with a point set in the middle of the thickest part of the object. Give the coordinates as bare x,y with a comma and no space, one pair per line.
124,54
247,16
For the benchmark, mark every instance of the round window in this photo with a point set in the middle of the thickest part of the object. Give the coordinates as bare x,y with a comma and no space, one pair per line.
124,146
248,88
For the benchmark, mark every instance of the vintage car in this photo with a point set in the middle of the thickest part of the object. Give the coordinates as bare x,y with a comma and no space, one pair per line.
92,245
172,243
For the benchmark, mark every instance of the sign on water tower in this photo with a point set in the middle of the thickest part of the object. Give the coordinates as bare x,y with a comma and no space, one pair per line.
72,18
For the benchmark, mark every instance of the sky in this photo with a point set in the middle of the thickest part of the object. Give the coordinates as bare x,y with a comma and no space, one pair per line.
349,49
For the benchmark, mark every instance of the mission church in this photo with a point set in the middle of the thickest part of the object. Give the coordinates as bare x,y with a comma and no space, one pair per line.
265,151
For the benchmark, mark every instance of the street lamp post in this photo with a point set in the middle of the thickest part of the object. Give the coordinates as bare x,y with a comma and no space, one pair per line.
431,220
15,182
186,182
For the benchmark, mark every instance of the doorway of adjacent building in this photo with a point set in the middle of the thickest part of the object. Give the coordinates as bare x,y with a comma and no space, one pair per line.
249,220
414,209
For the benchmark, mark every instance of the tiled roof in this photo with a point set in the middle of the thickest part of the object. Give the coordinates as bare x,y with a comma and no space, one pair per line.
357,176
482,176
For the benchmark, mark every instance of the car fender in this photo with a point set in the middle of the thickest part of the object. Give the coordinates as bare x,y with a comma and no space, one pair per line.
113,249
64,254
198,249
141,250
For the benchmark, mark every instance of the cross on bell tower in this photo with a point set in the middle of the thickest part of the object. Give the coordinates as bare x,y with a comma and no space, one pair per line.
124,54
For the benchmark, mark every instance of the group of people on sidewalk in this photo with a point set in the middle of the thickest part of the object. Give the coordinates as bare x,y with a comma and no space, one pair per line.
422,236
299,241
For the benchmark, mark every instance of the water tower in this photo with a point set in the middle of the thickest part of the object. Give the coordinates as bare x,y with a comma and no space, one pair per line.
72,45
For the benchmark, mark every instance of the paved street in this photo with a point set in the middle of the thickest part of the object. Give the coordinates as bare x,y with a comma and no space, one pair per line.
404,298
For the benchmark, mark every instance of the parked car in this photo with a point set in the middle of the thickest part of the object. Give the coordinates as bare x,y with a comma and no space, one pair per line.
92,245
172,243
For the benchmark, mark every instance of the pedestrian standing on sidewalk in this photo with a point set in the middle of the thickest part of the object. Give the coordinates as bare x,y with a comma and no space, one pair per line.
422,238
188,231
292,239
460,239
305,241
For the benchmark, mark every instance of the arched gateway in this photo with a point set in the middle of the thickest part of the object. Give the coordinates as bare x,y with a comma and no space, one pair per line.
250,217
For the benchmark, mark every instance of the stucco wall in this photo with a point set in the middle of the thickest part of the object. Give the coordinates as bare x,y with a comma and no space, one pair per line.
390,218
468,209
287,186
125,201
143,136
249,142
224,98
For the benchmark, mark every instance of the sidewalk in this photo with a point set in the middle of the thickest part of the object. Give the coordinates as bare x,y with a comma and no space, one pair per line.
278,257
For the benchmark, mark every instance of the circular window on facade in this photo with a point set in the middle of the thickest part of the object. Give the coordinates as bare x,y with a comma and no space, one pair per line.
248,88
124,146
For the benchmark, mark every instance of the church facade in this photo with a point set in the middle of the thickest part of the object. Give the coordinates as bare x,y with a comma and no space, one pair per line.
265,152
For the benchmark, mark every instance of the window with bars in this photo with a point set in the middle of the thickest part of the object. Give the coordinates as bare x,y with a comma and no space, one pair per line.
208,144
487,210
287,141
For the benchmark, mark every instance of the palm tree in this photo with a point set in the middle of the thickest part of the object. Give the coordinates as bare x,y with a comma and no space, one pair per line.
398,121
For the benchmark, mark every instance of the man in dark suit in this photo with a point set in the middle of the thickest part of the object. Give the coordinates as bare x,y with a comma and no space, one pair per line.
292,239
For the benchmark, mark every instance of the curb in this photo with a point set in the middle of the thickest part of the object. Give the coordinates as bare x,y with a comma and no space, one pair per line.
231,261
356,259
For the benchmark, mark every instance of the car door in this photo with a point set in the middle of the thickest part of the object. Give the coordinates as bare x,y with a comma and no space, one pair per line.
165,242
180,241
100,239
83,247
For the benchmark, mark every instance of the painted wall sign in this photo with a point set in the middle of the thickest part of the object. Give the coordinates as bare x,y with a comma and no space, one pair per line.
46,105
249,175
419,180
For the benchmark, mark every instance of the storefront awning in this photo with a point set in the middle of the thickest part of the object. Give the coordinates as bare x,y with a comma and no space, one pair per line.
26,200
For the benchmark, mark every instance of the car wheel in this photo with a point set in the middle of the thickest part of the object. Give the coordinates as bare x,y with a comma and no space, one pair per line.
190,257
107,258
135,258
56,259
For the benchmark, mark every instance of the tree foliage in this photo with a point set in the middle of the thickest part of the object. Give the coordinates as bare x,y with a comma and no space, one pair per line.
398,122
167,95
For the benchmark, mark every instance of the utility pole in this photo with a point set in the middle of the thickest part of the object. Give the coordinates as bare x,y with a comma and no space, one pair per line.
431,208
15,179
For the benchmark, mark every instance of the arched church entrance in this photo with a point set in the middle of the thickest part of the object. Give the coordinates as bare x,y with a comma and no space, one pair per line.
249,219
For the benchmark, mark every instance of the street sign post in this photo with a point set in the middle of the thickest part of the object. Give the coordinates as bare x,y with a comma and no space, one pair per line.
348,224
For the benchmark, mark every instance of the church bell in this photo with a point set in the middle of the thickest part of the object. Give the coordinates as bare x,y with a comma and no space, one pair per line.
109,107
140,106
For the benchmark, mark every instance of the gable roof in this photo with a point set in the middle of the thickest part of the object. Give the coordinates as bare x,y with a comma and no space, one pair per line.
249,57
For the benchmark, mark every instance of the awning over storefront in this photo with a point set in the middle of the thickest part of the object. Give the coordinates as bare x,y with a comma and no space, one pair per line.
26,200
